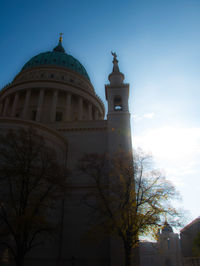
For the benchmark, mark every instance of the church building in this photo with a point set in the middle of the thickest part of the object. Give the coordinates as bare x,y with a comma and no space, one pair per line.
54,95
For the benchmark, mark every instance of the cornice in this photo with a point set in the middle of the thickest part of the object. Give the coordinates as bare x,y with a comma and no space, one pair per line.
33,124
83,129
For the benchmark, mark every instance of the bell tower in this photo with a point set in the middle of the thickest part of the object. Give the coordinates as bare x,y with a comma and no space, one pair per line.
118,117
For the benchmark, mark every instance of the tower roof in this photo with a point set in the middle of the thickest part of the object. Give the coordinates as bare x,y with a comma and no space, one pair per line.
116,77
57,57
167,228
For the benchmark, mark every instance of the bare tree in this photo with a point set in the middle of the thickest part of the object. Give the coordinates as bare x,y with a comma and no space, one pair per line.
131,198
31,181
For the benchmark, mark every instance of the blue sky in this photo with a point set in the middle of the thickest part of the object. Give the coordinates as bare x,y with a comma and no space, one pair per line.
158,45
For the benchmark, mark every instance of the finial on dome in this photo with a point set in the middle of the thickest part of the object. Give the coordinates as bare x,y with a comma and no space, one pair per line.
59,47
61,38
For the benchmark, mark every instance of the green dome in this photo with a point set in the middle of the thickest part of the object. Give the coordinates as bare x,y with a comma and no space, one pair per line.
57,57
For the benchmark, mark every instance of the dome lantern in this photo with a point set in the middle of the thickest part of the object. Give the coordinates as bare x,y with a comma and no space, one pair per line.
167,228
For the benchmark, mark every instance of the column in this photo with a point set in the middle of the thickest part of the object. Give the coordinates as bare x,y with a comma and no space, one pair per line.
1,108
89,111
39,106
53,107
96,114
6,105
15,102
26,104
68,107
80,108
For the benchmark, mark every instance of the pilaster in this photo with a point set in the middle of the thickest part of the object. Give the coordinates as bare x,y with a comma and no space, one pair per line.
15,102
7,100
68,107
39,106
53,107
96,114
80,108
89,111
26,104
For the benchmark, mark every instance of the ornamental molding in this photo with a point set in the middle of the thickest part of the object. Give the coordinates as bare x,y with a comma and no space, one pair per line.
90,125
33,124
50,68
52,84
83,129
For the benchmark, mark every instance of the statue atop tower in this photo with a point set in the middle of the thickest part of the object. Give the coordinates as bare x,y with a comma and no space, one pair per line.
115,77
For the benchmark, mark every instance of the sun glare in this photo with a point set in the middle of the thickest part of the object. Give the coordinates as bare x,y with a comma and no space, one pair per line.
170,143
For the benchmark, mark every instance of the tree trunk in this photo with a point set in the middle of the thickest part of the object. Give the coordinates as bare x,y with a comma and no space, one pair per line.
131,255
136,256
19,261
127,248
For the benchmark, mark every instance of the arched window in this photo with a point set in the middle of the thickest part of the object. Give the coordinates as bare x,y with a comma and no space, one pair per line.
168,243
118,103
168,262
58,116
33,115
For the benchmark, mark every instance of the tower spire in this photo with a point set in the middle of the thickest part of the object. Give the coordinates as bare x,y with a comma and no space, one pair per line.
115,62
115,77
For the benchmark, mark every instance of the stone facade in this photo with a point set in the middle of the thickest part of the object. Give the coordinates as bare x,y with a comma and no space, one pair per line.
59,101
188,234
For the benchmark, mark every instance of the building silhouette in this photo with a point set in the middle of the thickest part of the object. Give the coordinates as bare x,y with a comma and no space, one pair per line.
165,252
170,249
169,252
53,94
187,235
